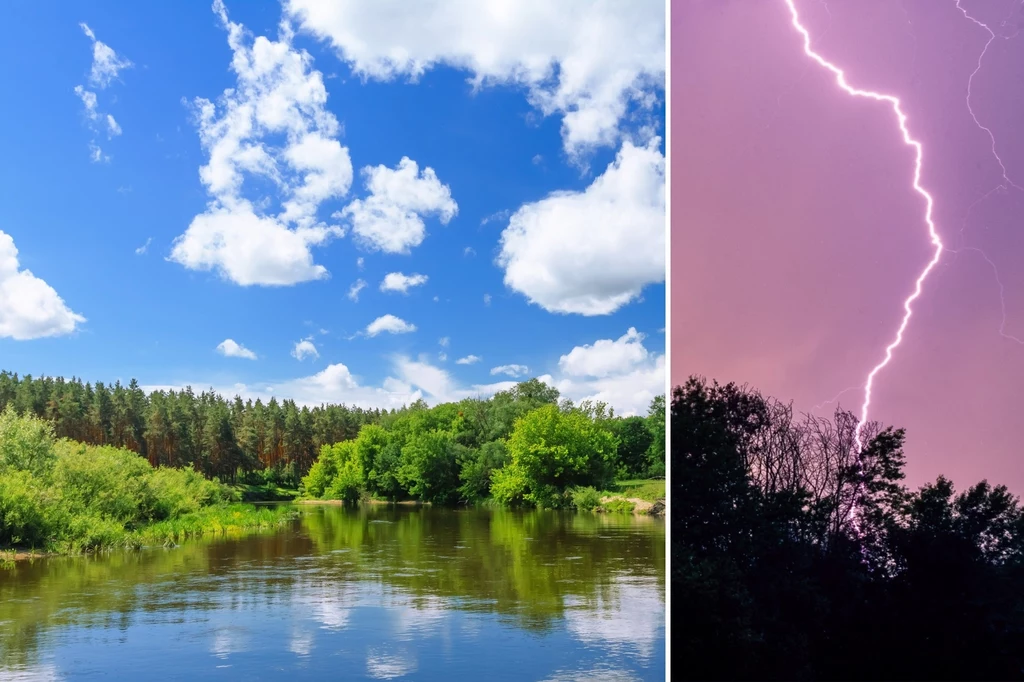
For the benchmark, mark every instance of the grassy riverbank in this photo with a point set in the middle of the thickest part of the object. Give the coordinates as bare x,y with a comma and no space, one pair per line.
64,497
267,492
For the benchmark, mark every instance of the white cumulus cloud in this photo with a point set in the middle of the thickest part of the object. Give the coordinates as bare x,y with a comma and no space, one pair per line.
390,219
305,349
592,252
229,348
515,371
389,324
582,60
629,389
468,360
278,96
29,307
605,357
396,281
621,373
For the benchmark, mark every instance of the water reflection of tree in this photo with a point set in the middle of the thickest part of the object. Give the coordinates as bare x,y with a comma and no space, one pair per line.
529,568
521,565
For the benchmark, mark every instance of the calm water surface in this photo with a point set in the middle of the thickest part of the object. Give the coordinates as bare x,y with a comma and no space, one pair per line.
376,593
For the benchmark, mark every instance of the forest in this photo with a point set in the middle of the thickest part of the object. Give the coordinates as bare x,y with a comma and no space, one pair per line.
218,437
522,447
454,453
793,558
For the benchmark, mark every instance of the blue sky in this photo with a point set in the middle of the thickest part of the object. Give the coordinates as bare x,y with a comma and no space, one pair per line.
194,192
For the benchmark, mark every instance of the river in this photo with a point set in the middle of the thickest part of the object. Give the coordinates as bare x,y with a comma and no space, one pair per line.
356,594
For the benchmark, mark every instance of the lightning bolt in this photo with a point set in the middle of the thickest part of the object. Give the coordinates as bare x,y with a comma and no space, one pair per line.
901,119
835,397
1007,182
1002,295
992,138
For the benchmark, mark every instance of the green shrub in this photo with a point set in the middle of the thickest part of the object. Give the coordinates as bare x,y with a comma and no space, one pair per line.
26,443
173,492
477,466
618,505
429,469
104,480
509,486
70,497
348,481
321,474
586,499
555,450
26,510
90,531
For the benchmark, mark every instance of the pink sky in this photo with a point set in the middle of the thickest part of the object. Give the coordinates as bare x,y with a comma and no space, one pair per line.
796,234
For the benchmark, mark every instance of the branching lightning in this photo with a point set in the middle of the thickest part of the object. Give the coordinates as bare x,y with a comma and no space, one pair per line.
836,397
992,138
1007,182
1002,295
933,234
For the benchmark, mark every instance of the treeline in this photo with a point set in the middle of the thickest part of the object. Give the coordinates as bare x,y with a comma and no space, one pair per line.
795,558
523,446
218,437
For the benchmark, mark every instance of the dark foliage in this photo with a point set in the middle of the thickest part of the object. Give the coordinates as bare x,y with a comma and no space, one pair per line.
792,558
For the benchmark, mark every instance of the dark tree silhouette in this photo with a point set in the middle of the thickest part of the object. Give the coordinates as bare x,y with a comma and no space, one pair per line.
795,557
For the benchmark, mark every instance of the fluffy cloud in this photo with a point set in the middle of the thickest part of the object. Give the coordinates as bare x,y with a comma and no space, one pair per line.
605,357
443,341
621,373
230,349
629,389
29,307
592,252
389,324
304,349
468,360
390,219
396,281
278,95
515,371
582,60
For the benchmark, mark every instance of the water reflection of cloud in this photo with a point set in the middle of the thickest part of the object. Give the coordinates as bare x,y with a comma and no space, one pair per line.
385,666
228,640
44,672
301,643
631,619
595,675
329,604
416,616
